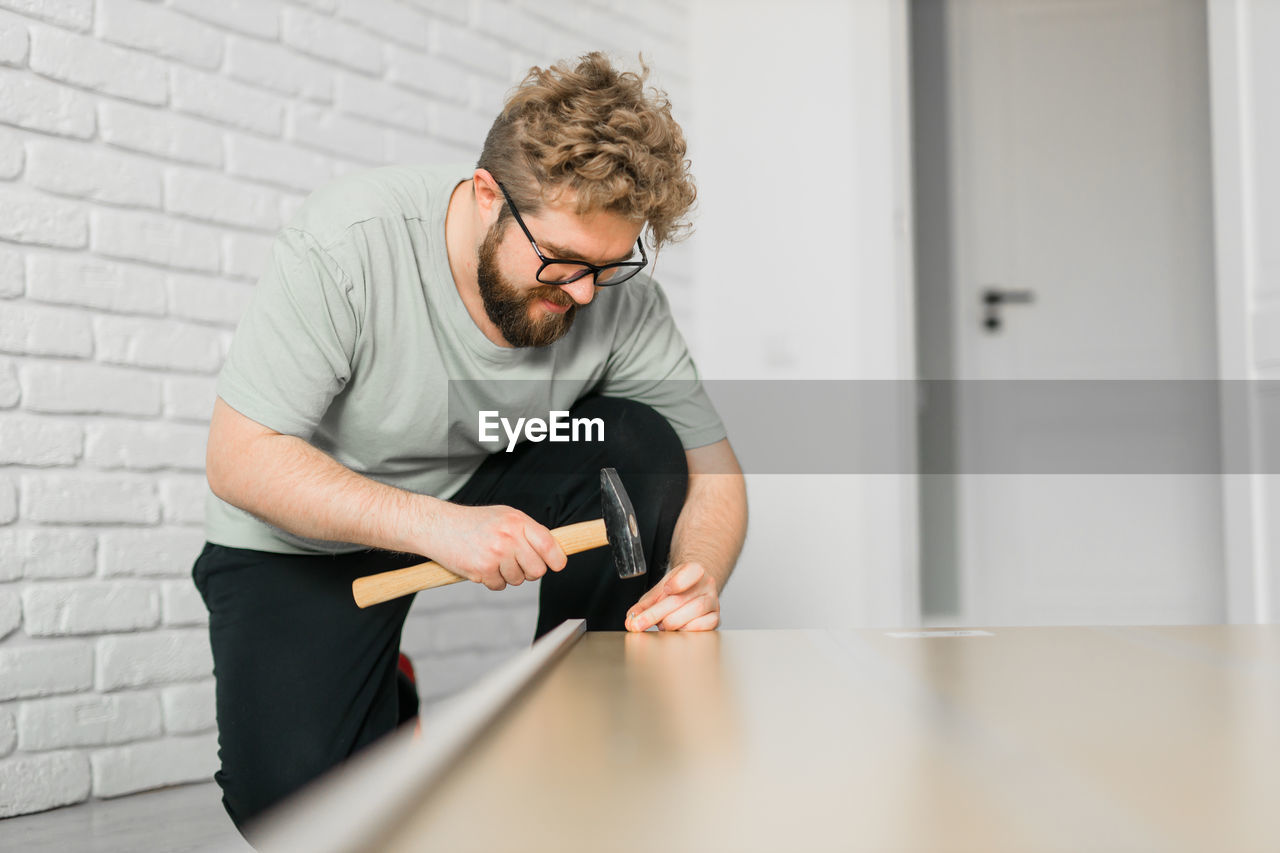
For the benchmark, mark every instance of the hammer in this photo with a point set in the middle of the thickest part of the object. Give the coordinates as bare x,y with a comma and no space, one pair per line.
617,527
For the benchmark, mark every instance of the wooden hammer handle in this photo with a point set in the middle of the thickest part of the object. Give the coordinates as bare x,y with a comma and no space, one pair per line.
384,586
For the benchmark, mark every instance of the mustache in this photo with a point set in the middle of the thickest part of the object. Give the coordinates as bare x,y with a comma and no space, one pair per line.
554,295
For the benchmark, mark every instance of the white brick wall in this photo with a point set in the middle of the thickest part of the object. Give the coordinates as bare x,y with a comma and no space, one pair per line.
149,151
188,708
68,721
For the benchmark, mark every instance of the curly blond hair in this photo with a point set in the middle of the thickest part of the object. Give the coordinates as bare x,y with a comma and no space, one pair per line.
594,131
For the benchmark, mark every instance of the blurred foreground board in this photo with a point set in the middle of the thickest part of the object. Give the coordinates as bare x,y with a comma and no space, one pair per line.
997,739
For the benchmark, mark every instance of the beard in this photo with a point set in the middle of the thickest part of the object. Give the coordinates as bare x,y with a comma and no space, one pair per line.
511,309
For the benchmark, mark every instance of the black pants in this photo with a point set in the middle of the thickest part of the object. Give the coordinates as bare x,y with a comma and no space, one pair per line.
305,678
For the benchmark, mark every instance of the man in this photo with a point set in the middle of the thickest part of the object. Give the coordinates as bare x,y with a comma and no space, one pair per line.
399,305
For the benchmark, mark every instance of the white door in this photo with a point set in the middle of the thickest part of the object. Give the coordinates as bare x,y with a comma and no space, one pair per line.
1081,174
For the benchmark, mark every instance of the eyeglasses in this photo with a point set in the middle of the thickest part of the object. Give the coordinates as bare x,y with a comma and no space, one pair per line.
556,271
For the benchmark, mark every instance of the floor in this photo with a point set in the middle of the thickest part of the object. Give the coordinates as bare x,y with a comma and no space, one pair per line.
178,820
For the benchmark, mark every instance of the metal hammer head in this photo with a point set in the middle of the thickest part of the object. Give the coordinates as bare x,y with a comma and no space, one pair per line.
620,525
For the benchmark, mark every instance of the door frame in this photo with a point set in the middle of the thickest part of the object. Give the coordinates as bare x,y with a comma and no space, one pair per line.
1251,580
1249,576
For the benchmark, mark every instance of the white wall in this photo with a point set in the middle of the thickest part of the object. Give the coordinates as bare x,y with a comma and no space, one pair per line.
801,270
148,153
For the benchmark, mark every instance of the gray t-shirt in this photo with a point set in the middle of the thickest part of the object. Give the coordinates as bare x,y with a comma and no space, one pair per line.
356,330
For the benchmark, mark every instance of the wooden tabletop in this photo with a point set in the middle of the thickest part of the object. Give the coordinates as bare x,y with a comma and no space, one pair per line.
1003,739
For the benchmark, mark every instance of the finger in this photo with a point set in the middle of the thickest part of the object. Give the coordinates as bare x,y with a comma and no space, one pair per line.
706,622
511,571
647,600
545,546
652,596
660,610
682,616
682,579
659,589
485,577
530,563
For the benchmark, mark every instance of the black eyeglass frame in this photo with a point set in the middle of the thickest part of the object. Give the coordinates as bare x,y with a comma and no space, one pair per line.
593,270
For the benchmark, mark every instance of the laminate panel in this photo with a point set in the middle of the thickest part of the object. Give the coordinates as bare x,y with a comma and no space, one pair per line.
1065,739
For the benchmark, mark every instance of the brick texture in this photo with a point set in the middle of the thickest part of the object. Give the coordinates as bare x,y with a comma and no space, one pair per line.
33,782
157,657
146,446
11,273
94,283
189,708
164,344
27,217
72,14
33,102
154,764
89,499
145,552
188,398
279,69
45,669
39,553
149,153
90,720
160,134
57,609
259,18
12,156
10,612
8,500
154,29
67,168
39,441
8,732
74,387
88,63
36,330
161,240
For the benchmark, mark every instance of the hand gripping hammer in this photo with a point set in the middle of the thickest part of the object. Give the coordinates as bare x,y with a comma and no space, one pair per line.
616,528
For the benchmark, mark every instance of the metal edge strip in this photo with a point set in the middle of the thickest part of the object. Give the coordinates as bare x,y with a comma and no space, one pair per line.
355,805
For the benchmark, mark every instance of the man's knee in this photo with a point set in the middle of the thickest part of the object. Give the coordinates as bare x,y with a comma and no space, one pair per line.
260,771
245,806
636,437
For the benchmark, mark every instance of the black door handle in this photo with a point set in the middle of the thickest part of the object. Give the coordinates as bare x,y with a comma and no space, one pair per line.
994,297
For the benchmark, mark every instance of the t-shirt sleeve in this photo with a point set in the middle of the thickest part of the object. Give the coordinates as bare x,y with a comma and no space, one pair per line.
292,352
650,363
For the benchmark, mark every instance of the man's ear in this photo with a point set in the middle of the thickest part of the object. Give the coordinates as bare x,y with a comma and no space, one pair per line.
488,197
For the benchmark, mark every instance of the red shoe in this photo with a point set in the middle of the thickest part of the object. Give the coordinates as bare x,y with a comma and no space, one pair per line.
406,666
407,687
